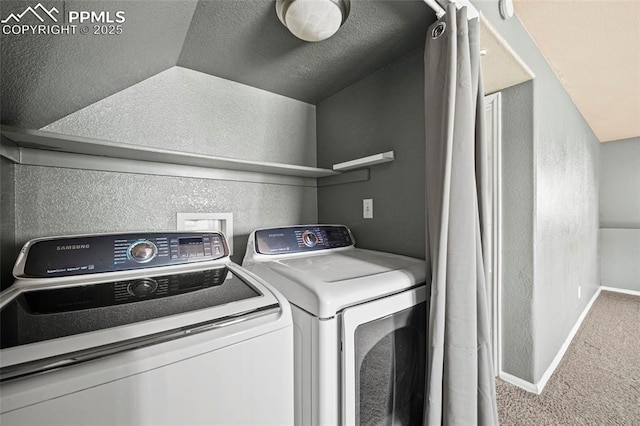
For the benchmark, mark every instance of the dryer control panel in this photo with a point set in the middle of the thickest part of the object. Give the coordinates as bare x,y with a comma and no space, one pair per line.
300,239
90,254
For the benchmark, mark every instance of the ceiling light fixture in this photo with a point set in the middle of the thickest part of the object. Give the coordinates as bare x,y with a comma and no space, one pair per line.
313,20
506,8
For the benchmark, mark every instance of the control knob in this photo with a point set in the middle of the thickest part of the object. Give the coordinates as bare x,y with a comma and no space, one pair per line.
142,251
309,239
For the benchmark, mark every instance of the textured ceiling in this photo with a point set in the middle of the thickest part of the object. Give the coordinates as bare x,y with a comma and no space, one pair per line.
594,49
245,42
46,77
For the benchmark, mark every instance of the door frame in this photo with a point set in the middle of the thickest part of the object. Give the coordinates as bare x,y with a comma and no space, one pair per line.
493,108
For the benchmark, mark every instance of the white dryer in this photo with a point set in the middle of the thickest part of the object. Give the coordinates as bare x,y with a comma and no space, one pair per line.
360,324
142,329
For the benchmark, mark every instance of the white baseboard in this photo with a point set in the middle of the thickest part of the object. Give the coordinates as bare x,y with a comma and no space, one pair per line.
517,381
539,386
563,349
621,290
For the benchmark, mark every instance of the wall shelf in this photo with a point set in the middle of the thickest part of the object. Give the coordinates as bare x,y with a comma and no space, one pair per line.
359,163
36,147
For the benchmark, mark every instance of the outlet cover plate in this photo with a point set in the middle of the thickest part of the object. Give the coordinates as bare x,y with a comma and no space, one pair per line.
367,208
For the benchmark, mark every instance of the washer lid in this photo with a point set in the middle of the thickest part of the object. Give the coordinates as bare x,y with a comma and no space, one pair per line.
326,282
45,321
344,265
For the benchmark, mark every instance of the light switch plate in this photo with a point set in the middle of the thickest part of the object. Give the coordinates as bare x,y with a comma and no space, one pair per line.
222,222
367,208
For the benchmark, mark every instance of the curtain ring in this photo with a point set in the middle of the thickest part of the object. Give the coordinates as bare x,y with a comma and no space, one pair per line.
438,30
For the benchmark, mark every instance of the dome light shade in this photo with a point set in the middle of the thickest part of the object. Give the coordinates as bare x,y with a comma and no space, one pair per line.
312,20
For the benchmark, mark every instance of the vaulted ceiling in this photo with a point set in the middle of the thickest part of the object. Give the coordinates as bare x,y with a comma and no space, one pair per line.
593,46
46,77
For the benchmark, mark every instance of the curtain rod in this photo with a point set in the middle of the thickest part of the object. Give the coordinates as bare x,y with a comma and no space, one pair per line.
437,6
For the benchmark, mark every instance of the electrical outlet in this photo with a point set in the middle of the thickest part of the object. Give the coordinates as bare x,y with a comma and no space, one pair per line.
367,208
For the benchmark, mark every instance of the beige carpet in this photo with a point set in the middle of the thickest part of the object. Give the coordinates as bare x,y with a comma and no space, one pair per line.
598,379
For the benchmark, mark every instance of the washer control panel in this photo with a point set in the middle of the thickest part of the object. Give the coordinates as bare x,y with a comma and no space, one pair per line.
300,239
78,255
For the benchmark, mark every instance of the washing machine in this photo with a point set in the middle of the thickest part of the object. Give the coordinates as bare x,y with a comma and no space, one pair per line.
142,329
359,324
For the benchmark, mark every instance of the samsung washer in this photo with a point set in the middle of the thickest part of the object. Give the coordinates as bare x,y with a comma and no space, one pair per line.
360,324
135,329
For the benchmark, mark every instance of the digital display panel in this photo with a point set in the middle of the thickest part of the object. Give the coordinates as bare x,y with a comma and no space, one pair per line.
191,247
338,237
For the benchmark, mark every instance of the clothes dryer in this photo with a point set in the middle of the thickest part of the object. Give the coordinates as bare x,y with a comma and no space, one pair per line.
142,329
360,324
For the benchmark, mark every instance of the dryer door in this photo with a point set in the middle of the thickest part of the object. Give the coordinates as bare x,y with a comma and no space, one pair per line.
383,360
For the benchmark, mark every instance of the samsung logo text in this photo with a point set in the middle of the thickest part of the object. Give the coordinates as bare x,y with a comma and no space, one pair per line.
73,247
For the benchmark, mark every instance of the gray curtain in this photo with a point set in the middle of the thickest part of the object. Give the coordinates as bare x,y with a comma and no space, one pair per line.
460,381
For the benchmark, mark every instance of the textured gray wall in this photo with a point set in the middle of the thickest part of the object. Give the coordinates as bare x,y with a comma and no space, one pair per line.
183,110
620,214
8,252
620,258
566,243
54,201
620,184
518,205
382,112
46,77
566,158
